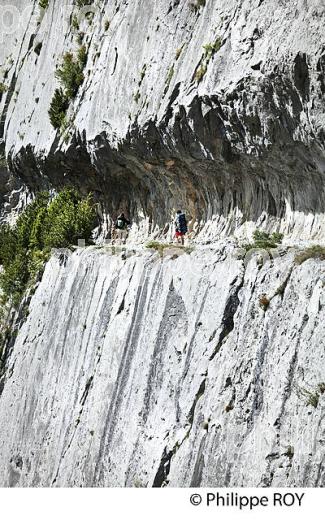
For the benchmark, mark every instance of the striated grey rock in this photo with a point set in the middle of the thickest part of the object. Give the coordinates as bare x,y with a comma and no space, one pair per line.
201,369
173,371
242,147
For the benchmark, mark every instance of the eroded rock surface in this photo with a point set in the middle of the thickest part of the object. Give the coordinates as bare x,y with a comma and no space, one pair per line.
218,108
196,369
201,369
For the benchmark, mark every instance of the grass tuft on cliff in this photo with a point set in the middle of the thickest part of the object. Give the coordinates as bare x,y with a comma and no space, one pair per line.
264,240
157,246
317,252
160,247
43,225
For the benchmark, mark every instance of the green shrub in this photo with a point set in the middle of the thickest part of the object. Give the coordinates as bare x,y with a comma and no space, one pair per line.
44,224
25,226
36,264
158,246
154,244
321,387
200,73
75,23
211,48
161,246
82,56
312,398
69,218
80,37
43,4
264,240
311,252
3,88
8,244
70,75
209,51
14,279
58,108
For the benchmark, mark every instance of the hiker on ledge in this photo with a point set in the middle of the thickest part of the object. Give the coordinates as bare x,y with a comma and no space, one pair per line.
121,228
180,227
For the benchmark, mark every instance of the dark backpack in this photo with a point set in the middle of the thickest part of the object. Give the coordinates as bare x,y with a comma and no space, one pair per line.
120,223
182,223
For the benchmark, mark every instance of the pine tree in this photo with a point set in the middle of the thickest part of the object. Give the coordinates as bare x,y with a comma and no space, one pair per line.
58,108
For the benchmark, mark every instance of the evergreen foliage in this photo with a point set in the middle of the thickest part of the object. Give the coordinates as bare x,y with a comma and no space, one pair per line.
43,225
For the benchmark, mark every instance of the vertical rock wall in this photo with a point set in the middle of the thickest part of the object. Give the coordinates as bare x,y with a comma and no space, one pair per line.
150,372
225,118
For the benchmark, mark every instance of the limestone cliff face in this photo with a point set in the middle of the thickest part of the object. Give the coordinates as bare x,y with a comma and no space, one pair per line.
216,107
201,369
150,372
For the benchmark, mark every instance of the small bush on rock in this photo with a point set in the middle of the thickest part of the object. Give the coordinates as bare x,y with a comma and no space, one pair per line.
210,49
58,108
158,246
264,240
200,73
43,4
312,398
70,75
321,387
3,88
75,23
82,56
311,252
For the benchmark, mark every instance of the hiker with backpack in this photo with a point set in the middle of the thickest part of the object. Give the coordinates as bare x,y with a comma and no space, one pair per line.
180,227
121,228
